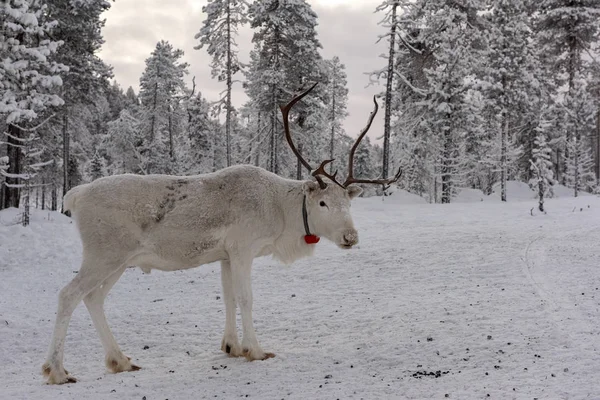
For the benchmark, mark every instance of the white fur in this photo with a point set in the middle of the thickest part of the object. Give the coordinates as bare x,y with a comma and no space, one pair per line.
171,223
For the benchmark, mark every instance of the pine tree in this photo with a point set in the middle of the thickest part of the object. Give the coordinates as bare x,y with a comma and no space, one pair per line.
27,78
201,138
390,7
286,57
79,26
161,90
454,38
509,76
566,31
97,167
580,175
223,18
437,62
124,146
579,122
337,92
541,167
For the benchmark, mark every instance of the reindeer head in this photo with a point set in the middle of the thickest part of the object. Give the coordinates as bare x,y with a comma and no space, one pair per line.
326,204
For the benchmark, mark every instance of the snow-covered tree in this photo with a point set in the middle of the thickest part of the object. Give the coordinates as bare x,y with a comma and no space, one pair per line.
124,146
161,90
437,63
78,26
203,135
541,168
27,80
580,167
337,92
509,75
218,34
579,122
286,57
97,167
390,21
566,32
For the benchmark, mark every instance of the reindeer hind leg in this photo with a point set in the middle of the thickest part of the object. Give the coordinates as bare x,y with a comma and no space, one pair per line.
90,276
115,360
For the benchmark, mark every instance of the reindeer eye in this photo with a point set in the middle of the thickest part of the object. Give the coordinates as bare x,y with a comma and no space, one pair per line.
322,204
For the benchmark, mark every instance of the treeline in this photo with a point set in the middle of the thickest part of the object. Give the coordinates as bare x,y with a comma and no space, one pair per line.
476,93
485,91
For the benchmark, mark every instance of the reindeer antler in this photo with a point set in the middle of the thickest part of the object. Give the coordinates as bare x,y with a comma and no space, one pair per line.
285,110
350,179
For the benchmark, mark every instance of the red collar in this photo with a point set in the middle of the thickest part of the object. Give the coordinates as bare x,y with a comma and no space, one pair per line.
309,238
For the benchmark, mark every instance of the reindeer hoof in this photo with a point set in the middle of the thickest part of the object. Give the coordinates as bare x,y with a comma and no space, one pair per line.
253,355
55,377
231,350
121,364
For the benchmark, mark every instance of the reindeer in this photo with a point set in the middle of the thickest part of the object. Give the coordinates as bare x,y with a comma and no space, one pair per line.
172,223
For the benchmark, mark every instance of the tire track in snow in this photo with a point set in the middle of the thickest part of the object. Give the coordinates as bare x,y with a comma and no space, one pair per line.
536,267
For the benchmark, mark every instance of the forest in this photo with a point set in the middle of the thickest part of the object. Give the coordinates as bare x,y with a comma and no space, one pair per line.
476,93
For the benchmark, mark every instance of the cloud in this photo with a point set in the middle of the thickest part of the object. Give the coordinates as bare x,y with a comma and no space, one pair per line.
348,31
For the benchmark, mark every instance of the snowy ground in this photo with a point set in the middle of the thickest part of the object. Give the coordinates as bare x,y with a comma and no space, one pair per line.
465,301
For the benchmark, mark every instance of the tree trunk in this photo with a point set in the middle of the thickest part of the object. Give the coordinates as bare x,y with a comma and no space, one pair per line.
388,94
273,144
558,169
154,104
66,148
43,193
26,197
54,198
257,146
503,155
446,170
541,194
171,146
332,138
12,195
229,85
576,178
598,148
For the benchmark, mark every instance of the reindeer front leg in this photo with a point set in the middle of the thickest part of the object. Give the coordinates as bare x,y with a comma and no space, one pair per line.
230,343
241,270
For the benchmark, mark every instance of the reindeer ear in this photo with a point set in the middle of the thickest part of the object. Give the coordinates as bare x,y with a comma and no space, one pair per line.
310,187
354,191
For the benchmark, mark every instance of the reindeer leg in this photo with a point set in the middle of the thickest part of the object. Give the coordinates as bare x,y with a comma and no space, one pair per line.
230,343
241,273
115,360
89,277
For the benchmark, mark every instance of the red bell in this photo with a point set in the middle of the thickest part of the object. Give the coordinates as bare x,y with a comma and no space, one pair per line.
311,239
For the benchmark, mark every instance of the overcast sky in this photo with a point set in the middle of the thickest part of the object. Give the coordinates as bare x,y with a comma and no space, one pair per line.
346,28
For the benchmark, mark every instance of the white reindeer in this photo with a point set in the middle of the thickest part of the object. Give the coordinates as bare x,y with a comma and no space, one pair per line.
171,223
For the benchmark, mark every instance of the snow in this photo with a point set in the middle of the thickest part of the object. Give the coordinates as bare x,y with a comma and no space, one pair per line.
467,195
499,301
515,191
401,196
563,191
